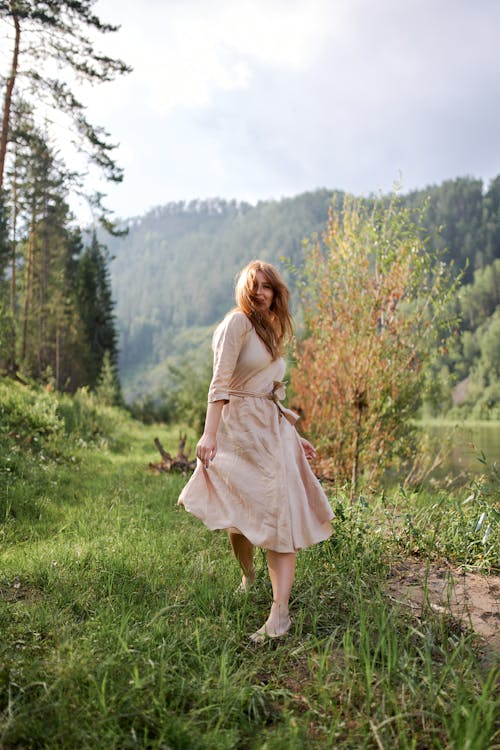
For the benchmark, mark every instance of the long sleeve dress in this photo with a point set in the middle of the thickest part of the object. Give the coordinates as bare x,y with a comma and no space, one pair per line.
260,482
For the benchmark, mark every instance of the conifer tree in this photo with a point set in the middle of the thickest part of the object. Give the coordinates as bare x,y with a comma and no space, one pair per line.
62,308
108,386
96,308
46,332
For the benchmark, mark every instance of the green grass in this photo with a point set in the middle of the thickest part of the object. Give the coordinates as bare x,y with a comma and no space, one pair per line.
120,626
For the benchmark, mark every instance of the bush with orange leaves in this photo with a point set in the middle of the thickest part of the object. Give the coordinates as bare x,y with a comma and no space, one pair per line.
375,306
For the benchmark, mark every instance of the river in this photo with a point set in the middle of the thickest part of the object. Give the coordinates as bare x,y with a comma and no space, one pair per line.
465,444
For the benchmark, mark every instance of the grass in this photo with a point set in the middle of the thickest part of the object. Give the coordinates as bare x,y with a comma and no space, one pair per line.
121,626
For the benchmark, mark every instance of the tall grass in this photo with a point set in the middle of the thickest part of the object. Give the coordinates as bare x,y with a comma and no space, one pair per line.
121,628
460,525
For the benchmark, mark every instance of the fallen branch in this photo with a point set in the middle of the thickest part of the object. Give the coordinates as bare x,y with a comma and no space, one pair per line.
169,463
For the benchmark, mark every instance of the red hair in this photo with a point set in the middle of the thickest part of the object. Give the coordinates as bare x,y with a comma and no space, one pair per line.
275,326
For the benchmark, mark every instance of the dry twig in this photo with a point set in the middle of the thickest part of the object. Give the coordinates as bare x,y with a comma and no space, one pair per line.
169,463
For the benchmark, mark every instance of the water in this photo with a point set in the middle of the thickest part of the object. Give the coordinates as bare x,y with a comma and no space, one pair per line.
465,444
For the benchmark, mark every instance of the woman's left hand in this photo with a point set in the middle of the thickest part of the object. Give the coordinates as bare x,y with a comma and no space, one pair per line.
309,449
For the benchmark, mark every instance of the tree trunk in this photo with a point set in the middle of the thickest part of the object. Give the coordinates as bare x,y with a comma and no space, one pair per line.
9,88
30,272
44,280
58,354
359,407
13,271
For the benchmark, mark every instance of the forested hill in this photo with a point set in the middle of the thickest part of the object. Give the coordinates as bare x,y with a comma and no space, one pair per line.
176,269
173,275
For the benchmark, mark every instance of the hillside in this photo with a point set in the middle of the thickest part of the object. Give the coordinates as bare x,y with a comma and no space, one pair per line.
173,274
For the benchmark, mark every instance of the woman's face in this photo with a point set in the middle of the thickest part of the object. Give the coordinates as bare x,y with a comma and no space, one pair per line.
263,291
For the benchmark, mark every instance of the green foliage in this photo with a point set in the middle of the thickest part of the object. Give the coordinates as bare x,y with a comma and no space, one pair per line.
41,331
48,326
29,413
479,299
60,319
467,371
108,386
41,430
461,527
31,435
90,421
65,34
38,419
184,401
462,218
96,308
187,400
189,348
45,326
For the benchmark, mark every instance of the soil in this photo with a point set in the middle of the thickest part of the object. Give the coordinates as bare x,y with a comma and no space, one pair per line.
471,599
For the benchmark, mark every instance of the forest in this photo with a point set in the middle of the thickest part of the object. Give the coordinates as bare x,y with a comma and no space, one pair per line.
57,322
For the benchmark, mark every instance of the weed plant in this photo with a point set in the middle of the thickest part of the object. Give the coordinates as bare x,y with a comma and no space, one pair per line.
122,628
460,525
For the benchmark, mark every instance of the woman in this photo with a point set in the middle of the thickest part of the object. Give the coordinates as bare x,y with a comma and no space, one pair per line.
252,477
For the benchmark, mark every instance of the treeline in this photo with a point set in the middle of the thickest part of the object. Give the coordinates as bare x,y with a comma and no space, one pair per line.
462,220
56,310
173,275
57,318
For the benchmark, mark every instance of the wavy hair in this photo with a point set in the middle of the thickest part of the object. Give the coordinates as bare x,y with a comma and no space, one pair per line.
275,326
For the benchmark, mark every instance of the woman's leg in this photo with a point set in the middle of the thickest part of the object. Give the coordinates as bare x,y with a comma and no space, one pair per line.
281,567
243,552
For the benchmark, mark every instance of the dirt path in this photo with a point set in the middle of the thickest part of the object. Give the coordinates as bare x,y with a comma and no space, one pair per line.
470,598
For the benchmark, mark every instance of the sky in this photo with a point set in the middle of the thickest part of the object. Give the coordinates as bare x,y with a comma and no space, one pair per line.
262,99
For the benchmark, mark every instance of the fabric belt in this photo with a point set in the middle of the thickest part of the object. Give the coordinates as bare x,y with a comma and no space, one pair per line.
278,392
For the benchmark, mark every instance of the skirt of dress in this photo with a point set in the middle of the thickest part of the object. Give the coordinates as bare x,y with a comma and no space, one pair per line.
260,481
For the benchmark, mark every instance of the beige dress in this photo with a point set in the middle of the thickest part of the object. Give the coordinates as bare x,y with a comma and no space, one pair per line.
260,481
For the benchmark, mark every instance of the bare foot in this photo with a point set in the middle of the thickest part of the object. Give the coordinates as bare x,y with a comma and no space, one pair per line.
277,624
246,582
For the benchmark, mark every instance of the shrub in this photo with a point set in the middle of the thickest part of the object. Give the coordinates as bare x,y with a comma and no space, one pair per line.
374,307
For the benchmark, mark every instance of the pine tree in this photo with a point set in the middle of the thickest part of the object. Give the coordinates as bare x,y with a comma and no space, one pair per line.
47,331
108,387
96,308
62,306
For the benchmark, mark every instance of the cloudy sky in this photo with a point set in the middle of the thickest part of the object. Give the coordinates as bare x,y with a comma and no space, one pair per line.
257,99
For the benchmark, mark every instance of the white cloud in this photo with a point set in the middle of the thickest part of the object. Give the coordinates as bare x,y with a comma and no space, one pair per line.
260,98
184,53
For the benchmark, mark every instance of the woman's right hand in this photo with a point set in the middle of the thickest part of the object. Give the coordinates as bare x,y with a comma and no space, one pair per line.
206,448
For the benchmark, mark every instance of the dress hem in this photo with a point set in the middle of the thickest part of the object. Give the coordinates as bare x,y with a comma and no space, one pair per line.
327,533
